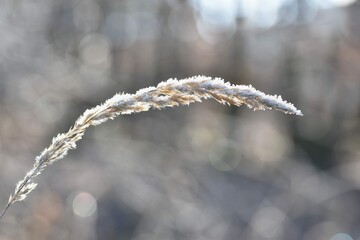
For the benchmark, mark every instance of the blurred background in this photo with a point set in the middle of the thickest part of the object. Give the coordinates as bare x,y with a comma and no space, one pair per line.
205,171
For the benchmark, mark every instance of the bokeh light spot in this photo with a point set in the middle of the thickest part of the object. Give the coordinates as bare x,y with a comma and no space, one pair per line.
261,13
84,204
224,155
341,3
341,236
121,29
95,49
268,222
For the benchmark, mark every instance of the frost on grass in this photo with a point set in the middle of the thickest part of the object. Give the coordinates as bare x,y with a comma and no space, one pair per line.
167,94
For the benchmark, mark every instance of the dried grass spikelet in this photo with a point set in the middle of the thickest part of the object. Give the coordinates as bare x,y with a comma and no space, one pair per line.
167,94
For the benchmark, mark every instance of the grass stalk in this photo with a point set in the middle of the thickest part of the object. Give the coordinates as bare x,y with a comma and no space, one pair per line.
167,94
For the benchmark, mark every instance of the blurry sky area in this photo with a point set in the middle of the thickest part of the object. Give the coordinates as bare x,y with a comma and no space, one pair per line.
203,171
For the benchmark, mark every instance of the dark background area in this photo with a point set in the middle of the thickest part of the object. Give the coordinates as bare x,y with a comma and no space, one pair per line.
205,171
